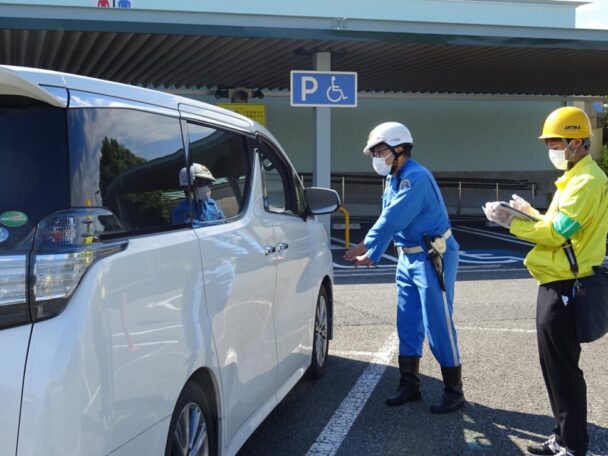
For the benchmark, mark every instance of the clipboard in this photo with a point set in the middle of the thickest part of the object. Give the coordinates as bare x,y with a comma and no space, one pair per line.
517,213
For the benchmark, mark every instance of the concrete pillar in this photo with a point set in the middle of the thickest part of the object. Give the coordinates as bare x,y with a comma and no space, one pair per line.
596,126
322,125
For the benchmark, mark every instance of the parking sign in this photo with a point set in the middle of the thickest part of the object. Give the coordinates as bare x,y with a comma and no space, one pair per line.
328,89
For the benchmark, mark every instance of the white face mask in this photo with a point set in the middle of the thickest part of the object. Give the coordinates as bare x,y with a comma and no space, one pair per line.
380,166
557,157
203,193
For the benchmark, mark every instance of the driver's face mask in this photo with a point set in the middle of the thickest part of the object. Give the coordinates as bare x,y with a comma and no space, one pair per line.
203,193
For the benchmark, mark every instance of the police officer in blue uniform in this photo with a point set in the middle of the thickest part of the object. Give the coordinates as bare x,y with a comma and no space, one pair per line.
206,208
415,218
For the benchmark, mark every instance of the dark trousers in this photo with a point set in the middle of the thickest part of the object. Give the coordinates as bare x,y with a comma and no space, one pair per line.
559,353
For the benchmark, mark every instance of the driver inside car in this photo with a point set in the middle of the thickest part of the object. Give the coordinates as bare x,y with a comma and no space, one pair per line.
206,208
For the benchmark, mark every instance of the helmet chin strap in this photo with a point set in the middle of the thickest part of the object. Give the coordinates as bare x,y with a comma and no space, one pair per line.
571,154
395,160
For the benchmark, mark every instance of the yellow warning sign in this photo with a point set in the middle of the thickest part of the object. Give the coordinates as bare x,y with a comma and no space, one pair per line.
255,111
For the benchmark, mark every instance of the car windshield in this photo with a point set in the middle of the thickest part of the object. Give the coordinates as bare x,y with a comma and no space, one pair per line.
33,168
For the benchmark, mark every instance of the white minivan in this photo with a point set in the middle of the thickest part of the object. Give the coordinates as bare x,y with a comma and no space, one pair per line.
131,321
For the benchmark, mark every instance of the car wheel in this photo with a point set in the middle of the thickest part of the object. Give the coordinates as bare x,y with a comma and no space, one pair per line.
320,343
191,432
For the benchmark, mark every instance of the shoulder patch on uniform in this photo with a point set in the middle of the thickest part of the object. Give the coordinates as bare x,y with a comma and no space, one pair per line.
405,183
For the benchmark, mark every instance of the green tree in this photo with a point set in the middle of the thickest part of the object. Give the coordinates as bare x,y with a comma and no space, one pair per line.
145,208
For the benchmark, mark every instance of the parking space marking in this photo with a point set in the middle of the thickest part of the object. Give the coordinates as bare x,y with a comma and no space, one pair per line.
487,258
366,274
471,261
363,268
336,430
481,328
352,354
491,234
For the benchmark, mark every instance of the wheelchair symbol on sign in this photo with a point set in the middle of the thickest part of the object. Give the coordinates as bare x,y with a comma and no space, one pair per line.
334,92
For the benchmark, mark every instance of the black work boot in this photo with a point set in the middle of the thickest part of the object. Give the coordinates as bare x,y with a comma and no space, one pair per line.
453,397
409,383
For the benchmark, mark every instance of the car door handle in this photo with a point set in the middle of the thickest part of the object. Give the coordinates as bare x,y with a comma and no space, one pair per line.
282,246
269,250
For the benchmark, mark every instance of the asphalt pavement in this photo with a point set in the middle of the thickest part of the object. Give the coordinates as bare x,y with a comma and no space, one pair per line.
507,408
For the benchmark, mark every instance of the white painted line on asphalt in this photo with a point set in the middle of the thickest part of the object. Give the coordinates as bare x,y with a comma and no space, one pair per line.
352,353
346,266
336,430
496,269
473,265
491,261
391,273
508,236
366,274
481,328
504,235
488,234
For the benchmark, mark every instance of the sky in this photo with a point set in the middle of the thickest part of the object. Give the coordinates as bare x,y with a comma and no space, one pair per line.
593,16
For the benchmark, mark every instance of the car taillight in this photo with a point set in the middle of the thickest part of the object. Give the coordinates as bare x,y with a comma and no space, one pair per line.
12,280
67,243
13,291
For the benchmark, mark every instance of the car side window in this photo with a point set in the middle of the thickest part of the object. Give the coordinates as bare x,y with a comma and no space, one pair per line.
226,156
277,181
127,161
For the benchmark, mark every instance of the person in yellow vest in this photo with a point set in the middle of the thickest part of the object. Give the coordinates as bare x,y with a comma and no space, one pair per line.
579,212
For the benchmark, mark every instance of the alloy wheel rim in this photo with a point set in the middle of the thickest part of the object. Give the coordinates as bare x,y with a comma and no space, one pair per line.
321,331
190,437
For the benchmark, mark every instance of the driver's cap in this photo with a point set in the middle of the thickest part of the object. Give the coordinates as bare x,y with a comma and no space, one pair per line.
197,171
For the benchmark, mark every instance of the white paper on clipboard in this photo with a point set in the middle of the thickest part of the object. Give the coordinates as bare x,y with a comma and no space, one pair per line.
517,213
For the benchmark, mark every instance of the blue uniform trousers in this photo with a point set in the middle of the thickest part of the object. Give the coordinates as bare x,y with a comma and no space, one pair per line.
423,308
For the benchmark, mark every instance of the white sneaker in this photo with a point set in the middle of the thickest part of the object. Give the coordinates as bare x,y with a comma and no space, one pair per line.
549,447
565,452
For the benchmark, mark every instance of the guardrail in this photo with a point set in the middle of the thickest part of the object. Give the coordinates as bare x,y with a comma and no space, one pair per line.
495,184
340,182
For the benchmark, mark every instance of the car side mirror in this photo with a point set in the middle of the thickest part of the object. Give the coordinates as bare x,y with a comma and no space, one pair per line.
321,200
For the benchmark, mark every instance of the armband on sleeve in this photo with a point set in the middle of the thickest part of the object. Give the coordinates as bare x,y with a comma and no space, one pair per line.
565,225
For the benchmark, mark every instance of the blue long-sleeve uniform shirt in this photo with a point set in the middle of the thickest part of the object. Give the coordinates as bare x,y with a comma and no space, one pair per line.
206,211
411,206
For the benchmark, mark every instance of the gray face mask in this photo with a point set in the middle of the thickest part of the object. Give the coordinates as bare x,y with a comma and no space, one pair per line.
203,193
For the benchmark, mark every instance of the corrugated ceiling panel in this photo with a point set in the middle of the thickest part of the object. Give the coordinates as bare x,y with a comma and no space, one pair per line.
210,61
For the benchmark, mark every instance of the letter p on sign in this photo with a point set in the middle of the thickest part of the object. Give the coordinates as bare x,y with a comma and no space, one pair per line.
309,86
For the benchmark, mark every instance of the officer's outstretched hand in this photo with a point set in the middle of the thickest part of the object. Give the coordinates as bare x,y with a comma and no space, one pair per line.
363,260
358,255
352,253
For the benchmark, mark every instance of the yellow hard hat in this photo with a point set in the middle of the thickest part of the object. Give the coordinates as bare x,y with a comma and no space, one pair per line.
567,122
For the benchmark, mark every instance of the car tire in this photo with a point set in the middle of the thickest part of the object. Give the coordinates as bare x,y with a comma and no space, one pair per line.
192,407
320,344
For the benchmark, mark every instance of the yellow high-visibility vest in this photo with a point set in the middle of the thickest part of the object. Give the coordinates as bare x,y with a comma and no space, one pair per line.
579,211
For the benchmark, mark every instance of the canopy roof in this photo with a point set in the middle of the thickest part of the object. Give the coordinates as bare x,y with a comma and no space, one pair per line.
197,51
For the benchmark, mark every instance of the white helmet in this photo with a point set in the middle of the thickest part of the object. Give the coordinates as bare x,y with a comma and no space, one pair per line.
197,171
391,133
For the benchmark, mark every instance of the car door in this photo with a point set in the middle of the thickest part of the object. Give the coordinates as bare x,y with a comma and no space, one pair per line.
294,296
239,268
